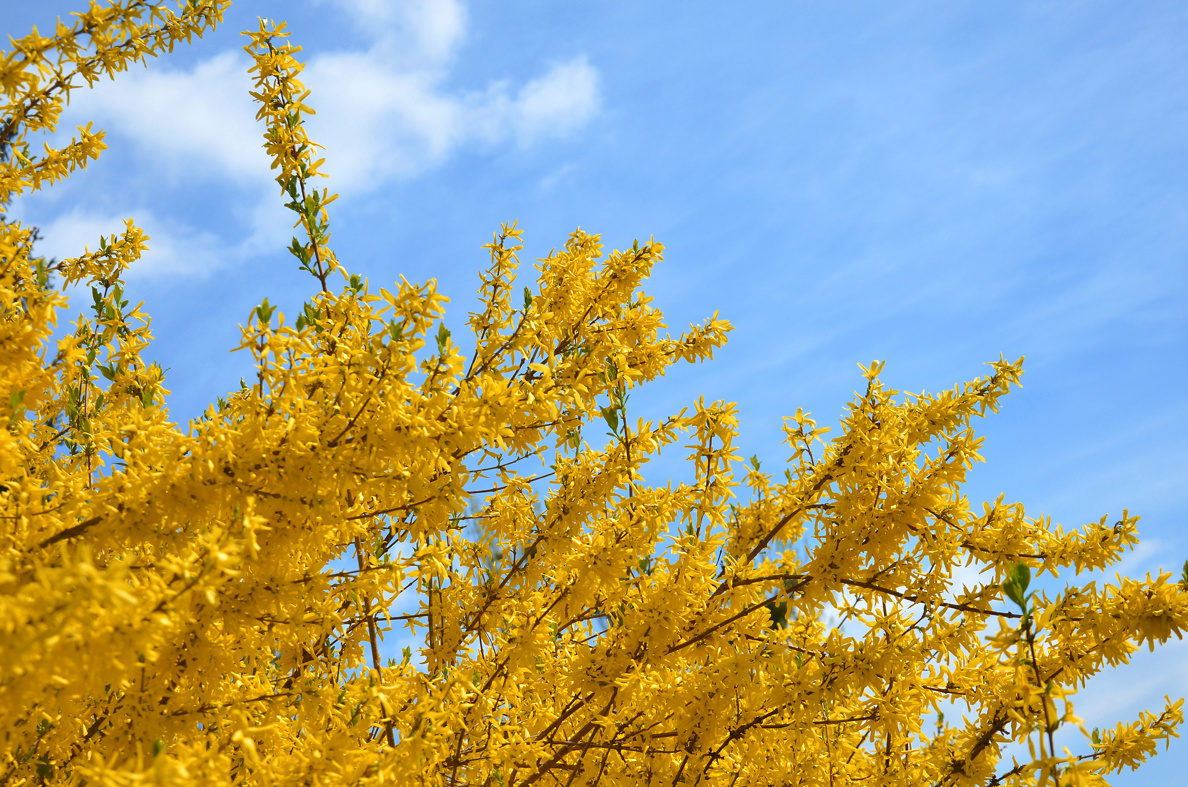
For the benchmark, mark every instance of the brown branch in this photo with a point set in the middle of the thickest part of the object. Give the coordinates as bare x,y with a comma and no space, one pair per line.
70,532
703,635
555,760
918,600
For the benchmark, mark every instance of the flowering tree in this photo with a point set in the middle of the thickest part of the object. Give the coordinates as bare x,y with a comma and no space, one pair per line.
206,602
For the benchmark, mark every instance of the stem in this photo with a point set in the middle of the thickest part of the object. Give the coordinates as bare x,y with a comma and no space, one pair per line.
371,636
321,272
1038,682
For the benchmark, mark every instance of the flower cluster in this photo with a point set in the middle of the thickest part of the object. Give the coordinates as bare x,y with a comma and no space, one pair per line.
206,603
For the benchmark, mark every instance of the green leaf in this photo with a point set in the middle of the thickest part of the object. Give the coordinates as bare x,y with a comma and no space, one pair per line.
527,299
612,418
308,317
1015,587
779,614
158,747
16,397
443,339
298,250
1021,575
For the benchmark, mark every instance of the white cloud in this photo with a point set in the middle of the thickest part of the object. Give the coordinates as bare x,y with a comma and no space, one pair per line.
428,29
201,120
381,113
173,249
386,112
558,103
424,29
377,122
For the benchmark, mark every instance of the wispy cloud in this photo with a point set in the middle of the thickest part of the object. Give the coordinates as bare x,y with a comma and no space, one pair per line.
173,248
196,121
425,31
387,112
379,123
382,113
558,103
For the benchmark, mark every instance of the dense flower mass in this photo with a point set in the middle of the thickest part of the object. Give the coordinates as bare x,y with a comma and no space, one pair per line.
206,603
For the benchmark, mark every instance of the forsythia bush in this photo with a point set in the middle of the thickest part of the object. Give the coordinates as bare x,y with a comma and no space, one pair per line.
205,603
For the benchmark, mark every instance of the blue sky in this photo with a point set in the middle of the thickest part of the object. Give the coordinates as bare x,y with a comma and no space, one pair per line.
928,183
